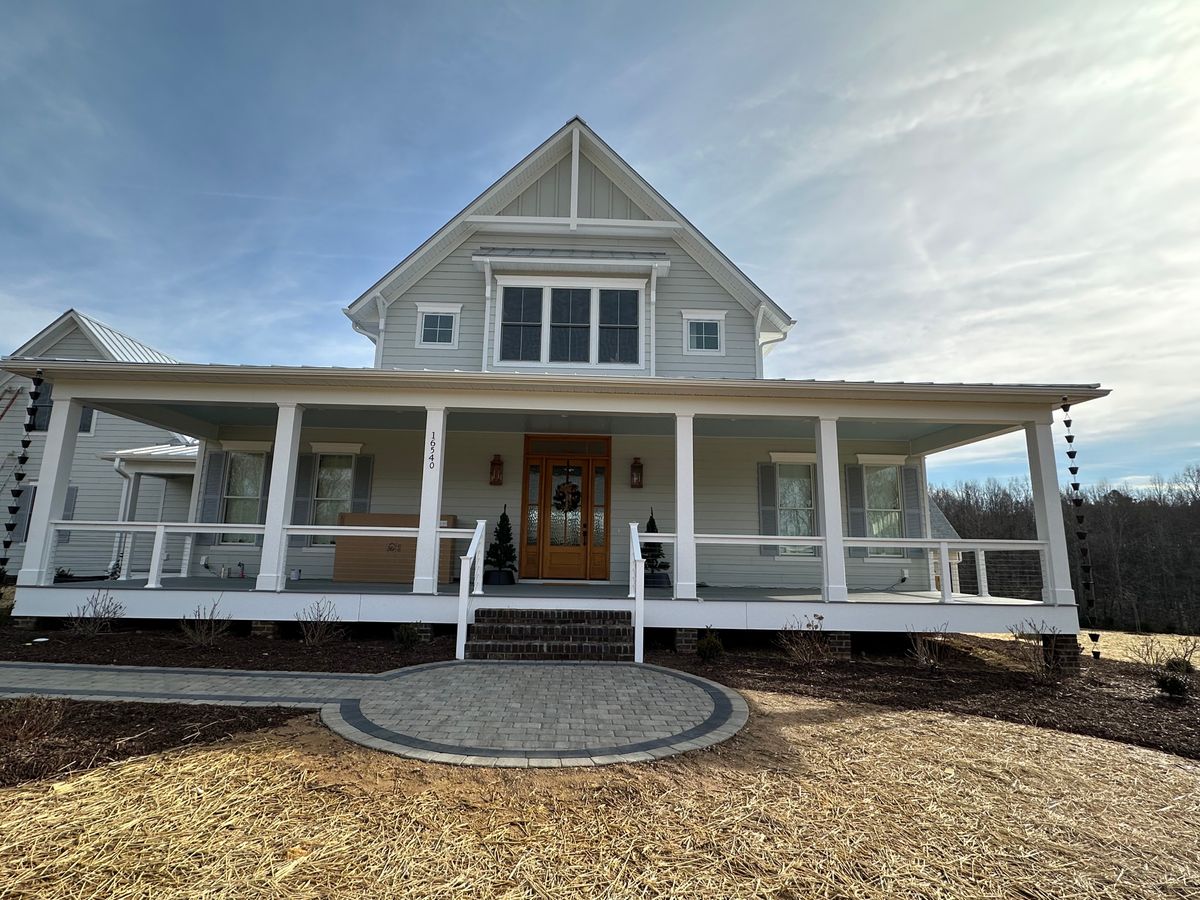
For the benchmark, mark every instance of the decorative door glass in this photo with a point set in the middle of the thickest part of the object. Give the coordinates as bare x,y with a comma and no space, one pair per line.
531,505
599,513
566,506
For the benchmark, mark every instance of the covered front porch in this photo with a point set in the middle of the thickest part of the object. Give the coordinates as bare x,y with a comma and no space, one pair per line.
379,491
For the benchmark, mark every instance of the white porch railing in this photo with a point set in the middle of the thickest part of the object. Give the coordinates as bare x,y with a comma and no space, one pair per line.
637,590
473,557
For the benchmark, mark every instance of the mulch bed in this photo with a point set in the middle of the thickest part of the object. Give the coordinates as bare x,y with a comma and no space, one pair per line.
1110,699
167,648
43,738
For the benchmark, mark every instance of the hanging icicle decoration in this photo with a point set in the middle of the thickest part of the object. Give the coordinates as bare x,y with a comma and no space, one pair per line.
18,488
1086,583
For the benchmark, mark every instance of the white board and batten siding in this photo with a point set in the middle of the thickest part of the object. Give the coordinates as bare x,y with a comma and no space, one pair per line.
456,280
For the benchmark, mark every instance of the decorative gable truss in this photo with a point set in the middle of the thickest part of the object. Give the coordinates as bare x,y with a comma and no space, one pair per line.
573,183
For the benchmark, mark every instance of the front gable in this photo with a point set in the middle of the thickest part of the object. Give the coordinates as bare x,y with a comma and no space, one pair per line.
573,185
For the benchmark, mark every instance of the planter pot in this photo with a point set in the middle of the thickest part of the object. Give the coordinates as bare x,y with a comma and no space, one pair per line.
498,576
658,580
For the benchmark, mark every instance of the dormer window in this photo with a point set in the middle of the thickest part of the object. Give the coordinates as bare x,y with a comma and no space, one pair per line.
560,322
704,331
437,325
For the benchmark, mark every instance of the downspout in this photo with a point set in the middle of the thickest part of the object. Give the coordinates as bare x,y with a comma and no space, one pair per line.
762,345
382,309
653,320
487,310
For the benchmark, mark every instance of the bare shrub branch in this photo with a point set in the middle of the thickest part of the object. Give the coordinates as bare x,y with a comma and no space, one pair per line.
804,641
319,623
928,648
96,616
205,626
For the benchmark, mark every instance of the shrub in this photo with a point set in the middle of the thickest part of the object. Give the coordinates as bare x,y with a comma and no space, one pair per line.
1029,637
928,648
1170,663
205,626
804,642
1179,665
709,647
96,616
407,635
1173,684
319,623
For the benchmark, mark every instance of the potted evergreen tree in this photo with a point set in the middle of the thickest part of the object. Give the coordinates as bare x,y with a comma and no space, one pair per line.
656,565
500,563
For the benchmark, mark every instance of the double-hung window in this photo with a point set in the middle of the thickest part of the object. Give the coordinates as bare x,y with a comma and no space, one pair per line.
332,491
885,512
243,494
796,504
565,321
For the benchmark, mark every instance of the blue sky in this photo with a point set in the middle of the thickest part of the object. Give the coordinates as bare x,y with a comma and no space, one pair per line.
936,191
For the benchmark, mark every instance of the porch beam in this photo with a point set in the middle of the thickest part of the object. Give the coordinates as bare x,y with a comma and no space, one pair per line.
425,570
53,479
829,507
271,574
685,508
1047,510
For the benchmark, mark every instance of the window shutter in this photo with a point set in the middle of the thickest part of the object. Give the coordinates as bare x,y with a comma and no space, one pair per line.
263,489
856,507
768,513
211,493
360,493
26,504
302,496
914,509
64,537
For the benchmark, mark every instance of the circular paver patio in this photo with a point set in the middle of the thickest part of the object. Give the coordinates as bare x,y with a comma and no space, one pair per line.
539,714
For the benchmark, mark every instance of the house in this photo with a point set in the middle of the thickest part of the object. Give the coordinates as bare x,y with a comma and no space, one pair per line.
571,349
97,489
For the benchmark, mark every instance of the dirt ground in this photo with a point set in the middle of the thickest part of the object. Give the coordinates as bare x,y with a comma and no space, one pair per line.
814,798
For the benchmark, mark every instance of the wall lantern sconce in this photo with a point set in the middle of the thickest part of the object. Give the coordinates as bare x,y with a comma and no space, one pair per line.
636,473
496,475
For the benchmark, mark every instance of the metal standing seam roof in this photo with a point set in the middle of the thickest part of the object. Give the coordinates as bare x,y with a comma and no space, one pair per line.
121,346
158,452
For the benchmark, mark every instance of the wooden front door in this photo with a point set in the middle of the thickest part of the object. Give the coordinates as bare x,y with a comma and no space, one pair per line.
564,528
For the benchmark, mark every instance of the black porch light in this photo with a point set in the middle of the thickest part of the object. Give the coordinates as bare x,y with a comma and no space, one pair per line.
496,471
637,473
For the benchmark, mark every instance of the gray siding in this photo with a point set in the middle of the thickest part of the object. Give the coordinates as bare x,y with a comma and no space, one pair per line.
456,280
599,198
550,195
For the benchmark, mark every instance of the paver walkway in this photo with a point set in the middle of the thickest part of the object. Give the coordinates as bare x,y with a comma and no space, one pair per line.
471,713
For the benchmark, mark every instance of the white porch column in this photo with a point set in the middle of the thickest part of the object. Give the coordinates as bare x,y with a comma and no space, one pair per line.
685,508
1047,509
53,478
425,571
189,541
829,508
271,574
129,514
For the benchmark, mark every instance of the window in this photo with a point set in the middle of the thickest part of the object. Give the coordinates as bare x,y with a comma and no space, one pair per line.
437,325
794,485
570,325
521,324
42,405
588,324
243,494
704,331
618,327
884,510
331,495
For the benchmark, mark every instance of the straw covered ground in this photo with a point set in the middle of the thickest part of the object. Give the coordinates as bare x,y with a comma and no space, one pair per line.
814,798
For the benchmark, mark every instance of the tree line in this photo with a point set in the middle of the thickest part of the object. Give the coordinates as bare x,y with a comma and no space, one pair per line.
1144,545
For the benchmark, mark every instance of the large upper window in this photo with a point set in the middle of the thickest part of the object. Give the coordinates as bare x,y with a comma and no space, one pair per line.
564,322
243,494
885,518
43,404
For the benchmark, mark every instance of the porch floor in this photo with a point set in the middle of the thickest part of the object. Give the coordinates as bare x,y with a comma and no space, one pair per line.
553,591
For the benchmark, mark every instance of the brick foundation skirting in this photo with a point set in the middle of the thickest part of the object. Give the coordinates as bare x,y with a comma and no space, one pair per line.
839,644
1062,652
685,639
24,623
264,629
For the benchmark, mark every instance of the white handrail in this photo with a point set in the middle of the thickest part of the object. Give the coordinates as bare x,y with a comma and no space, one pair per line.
952,543
637,586
473,556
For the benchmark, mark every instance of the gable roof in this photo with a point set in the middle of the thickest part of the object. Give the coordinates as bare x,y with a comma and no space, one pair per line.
484,212
111,345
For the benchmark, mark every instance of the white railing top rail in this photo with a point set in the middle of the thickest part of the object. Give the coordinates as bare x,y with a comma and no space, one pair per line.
753,539
635,542
652,537
84,525
476,538
952,543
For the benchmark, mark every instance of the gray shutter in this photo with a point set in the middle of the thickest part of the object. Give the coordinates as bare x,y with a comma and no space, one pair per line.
64,537
768,513
856,507
360,496
263,490
211,493
26,504
914,509
302,496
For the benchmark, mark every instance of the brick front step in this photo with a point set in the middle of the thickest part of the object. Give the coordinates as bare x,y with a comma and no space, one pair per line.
551,634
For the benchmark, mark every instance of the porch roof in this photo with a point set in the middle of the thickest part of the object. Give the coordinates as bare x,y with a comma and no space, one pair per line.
1046,395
